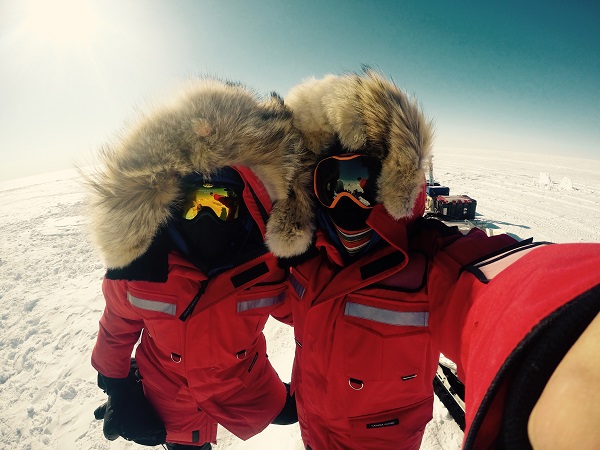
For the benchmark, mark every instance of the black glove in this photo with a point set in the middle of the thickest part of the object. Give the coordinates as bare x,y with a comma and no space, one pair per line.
288,414
127,413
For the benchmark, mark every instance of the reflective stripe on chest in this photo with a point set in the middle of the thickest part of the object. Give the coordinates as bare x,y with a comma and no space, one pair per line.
387,316
152,305
249,305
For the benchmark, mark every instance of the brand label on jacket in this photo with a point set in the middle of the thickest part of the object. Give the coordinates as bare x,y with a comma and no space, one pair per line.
386,423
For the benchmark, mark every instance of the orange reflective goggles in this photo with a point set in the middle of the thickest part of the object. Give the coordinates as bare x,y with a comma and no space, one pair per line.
222,201
352,176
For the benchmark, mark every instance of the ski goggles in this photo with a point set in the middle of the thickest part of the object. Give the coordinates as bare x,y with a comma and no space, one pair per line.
222,201
352,176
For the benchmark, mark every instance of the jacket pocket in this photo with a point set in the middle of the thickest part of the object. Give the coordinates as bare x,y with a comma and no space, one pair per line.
260,300
243,373
158,310
402,427
244,315
150,304
382,343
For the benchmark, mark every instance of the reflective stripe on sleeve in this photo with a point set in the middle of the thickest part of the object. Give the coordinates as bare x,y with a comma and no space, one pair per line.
260,303
152,305
389,317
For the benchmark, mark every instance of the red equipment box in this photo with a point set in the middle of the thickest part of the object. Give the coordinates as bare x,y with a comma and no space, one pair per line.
457,207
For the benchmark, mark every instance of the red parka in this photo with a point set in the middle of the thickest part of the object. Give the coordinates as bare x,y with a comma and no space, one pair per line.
216,358
202,353
369,334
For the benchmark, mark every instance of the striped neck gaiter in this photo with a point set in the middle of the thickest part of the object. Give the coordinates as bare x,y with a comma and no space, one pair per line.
354,241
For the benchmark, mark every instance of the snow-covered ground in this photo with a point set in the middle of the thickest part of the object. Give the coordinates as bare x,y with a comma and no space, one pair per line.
51,302
552,198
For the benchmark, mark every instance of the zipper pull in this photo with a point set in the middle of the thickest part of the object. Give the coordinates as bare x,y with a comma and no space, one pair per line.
190,308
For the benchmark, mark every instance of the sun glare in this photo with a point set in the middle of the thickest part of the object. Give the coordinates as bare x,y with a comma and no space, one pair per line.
61,23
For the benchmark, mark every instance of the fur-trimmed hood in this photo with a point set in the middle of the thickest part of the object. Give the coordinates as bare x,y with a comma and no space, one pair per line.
368,114
211,125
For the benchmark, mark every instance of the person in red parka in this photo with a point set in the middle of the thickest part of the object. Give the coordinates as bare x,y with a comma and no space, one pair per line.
381,291
193,285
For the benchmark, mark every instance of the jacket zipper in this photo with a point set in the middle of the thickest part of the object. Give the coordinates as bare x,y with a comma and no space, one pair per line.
190,308
203,284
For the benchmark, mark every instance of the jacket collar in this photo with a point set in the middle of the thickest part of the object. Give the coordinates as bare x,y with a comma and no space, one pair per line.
392,233
255,197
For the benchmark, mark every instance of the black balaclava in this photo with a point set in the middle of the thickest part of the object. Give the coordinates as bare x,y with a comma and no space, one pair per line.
346,223
211,244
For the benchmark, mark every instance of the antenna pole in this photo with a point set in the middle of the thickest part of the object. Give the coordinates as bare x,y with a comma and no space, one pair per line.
431,181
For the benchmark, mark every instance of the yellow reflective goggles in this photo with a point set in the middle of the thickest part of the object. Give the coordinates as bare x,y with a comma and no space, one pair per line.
222,201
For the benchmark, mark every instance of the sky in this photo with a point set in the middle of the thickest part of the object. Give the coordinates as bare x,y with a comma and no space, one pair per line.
510,75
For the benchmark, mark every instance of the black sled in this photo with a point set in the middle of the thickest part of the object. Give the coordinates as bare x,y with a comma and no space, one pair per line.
451,392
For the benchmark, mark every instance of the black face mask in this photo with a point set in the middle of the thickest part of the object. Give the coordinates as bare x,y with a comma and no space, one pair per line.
213,244
348,215
214,238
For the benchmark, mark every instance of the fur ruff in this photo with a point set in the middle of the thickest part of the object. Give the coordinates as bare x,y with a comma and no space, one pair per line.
213,124
368,114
